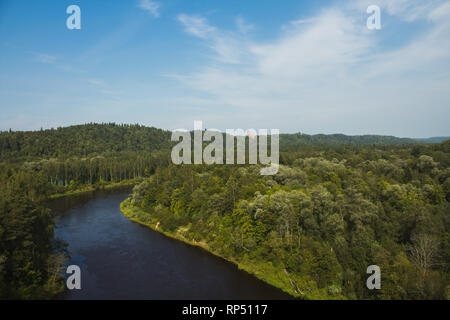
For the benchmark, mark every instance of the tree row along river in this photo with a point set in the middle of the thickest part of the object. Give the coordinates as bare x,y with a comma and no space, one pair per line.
121,259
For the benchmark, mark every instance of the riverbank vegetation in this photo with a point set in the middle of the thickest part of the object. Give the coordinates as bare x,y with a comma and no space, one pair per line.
37,166
314,228
337,205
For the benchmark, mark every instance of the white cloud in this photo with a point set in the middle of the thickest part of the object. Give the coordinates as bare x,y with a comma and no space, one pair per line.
56,62
407,10
328,73
243,26
331,41
150,6
296,23
196,26
45,58
226,45
96,82
441,12
110,92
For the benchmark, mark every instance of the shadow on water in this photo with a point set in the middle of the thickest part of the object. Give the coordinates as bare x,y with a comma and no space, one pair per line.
120,259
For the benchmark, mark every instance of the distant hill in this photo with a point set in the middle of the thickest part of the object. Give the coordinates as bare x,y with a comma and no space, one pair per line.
82,140
301,139
89,139
433,139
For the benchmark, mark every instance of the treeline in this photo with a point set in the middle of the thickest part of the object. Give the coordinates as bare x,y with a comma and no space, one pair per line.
98,169
81,141
94,139
93,154
315,227
290,142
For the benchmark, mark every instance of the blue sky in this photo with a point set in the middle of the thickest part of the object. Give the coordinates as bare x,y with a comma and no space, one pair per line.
297,66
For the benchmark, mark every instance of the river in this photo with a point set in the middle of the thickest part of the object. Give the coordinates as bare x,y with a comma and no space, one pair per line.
120,259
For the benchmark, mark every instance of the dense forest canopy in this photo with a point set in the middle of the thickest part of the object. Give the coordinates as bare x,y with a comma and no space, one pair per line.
81,141
315,227
88,139
337,205
30,256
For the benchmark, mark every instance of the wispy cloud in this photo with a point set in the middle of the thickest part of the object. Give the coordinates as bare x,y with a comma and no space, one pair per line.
56,62
329,72
196,26
150,6
96,82
243,26
407,10
102,87
225,44
45,58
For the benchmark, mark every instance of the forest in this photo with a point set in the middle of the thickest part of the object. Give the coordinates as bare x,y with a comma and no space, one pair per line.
337,205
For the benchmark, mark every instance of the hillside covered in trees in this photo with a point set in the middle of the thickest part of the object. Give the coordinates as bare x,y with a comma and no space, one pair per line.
94,154
81,141
337,205
315,227
94,139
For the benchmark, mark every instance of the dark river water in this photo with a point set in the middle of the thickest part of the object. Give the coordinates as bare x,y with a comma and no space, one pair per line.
120,259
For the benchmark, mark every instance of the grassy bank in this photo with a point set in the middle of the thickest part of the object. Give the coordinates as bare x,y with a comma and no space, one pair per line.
263,271
90,188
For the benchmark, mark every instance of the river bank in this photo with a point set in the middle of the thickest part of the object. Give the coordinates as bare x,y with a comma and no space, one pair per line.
97,187
263,271
121,259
